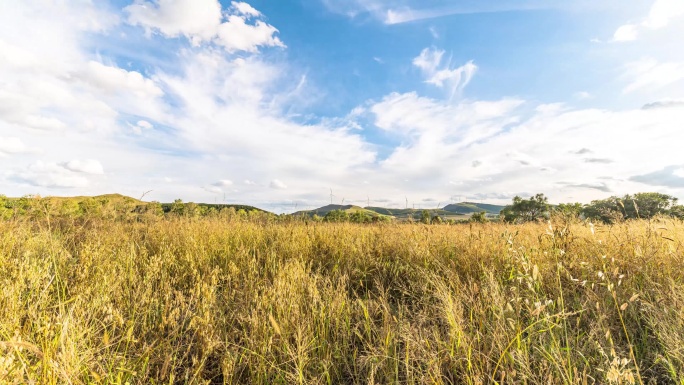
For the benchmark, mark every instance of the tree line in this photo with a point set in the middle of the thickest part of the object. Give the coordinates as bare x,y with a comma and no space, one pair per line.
611,210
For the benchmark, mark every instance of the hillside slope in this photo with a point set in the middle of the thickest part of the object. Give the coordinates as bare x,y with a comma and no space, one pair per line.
471,207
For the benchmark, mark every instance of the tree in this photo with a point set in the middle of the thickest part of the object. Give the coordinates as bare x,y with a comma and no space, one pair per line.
425,217
677,211
640,205
604,210
526,210
178,207
480,217
567,212
648,205
359,217
336,216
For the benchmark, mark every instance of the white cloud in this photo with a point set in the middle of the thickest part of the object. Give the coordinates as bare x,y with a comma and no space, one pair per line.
203,106
144,124
441,143
202,21
213,189
245,9
44,174
583,95
652,74
12,145
195,19
627,32
223,183
236,35
663,12
87,166
661,15
159,126
429,60
117,80
455,80
141,126
277,184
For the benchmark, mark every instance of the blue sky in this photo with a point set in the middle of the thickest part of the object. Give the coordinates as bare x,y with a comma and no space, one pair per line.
274,103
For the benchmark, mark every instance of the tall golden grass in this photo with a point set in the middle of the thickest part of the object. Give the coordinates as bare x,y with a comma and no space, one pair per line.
217,301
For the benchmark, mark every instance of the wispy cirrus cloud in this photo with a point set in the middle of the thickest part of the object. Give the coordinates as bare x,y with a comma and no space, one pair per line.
650,74
440,74
392,12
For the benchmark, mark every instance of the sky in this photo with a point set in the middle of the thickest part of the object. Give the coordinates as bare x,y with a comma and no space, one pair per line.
294,104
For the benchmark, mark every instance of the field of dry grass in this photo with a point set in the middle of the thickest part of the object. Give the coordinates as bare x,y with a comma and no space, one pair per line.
215,301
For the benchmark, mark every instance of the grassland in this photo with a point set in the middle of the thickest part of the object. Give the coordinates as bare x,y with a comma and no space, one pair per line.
234,300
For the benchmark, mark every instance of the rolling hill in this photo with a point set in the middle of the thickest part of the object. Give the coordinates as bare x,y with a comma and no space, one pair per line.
472,207
349,209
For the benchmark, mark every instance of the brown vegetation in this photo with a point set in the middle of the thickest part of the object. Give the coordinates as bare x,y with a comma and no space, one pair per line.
237,300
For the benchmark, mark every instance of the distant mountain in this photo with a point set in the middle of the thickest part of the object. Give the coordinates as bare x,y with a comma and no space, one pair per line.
414,213
400,214
472,207
322,211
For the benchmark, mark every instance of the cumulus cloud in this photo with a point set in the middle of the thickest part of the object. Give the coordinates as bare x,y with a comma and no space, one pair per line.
46,174
87,166
223,183
546,146
661,15
236,35
627,32
278,185
12,145
195,19
157,124
202,21
117,80
453,79
245,9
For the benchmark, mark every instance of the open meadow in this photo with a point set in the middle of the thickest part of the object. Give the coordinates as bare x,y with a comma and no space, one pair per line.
236,300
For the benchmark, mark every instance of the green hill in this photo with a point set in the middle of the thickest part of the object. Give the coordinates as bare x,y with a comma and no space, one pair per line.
399,214
405,214
108,205
349,209
167,207
471,207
